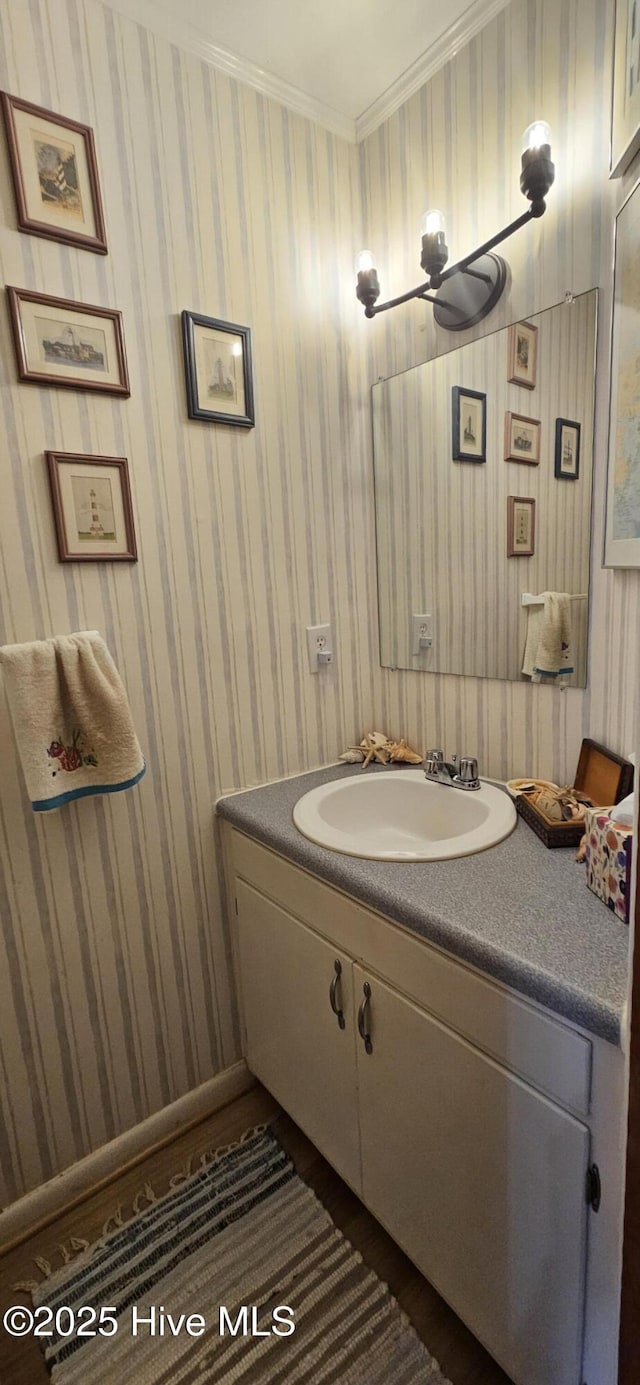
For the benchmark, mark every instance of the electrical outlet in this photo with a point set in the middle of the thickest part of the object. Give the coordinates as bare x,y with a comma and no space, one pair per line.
319,646
421,634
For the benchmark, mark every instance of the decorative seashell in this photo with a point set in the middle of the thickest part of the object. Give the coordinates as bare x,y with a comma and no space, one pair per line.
399,750
353,755
376,747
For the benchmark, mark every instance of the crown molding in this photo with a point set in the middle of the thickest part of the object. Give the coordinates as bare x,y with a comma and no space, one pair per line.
193,40
479,13
153,16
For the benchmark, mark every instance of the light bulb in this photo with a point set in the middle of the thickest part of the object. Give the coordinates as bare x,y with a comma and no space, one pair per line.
365,261
536,135
433,223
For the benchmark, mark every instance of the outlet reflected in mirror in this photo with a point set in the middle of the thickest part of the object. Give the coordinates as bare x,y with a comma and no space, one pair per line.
444,544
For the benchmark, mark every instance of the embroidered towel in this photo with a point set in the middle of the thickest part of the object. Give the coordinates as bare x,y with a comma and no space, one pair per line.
547,651
71,719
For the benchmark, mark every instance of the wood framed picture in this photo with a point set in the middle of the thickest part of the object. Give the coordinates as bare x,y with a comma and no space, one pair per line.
92,508
468,425
521,439
625,111
567,453
217,361
55,175
59,342
521,526
523,354
622,531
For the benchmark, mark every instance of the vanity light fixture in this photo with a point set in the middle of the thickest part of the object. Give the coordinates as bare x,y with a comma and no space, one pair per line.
473,286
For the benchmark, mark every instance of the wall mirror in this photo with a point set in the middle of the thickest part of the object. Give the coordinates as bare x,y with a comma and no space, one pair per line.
483,471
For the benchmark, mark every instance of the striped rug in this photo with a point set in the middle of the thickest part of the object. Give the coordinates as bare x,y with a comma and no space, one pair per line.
238,1276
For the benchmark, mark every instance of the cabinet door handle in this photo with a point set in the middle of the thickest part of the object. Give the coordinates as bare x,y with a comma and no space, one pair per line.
337,967
362,1018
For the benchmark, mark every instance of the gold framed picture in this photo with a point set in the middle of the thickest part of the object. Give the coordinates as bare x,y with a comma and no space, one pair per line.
521,439
76,345
92,508
55,175
521,526
523,354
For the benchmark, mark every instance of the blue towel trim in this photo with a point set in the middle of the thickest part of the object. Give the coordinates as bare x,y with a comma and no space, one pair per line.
41,805
554,672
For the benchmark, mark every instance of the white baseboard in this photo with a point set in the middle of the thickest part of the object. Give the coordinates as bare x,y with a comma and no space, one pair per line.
23,1216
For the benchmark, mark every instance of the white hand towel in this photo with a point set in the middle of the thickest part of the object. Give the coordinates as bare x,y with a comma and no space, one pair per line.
71,719
547,651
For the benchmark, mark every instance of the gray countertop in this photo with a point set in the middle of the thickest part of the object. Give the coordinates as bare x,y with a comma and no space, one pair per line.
519,912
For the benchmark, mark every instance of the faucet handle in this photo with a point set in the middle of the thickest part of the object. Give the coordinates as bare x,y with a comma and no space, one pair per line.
435,755
431,764
468,769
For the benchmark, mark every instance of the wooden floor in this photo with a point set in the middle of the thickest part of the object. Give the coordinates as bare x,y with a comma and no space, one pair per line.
461,1357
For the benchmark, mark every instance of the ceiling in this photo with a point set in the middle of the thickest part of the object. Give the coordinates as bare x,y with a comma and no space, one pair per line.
346,63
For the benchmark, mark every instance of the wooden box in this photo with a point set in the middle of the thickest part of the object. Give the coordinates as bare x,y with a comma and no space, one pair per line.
605,778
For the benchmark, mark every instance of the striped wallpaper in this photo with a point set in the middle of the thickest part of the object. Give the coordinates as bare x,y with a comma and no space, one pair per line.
115,986
115,989
441,526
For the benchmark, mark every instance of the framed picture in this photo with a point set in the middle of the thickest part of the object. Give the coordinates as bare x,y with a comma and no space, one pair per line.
92,508
217,361
622,531
523,354
521,527
567,455
59,342
55,175
521,439
625,117
468,425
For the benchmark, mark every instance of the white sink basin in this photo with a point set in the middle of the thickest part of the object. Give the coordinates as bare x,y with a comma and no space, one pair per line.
400,816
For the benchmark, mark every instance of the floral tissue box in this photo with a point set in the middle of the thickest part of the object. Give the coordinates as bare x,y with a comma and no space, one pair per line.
608,861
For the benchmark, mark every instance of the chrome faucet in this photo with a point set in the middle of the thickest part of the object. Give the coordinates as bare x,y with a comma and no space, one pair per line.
458,776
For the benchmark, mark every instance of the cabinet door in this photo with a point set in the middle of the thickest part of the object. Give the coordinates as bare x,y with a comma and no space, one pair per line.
294,1042
481,1180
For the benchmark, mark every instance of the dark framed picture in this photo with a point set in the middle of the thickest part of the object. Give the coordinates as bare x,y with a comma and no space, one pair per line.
625,108
523,355
521,526
521,439
567,454
468,425
55,175
92,508
59,342
217,362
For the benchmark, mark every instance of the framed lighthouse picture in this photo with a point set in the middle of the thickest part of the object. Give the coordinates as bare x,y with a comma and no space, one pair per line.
55,175
92,508
217,362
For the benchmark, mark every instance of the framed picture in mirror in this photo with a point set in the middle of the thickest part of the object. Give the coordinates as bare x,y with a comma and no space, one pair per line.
468,425
521,439
567,454
523,355
521,526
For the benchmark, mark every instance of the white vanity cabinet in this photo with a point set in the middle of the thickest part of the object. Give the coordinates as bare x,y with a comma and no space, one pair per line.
294,1041
481,1180
459,1112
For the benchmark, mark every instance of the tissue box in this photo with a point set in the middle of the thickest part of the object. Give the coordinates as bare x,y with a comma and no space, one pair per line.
608,861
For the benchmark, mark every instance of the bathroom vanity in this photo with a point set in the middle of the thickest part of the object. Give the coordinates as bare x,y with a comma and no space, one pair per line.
448,1035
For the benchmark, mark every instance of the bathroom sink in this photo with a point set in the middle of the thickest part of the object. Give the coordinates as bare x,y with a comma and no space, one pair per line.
399,816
